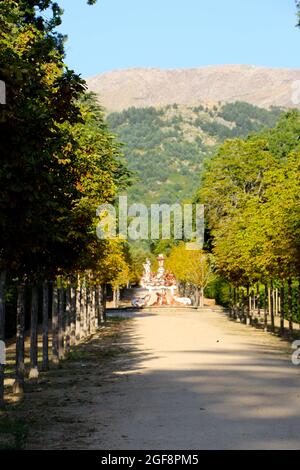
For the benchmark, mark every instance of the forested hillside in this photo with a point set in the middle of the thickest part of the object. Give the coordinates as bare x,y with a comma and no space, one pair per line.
165,147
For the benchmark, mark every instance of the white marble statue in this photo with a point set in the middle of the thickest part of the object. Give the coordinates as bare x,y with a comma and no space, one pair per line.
147,271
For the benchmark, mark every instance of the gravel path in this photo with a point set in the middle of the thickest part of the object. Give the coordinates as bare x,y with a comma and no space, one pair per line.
180,379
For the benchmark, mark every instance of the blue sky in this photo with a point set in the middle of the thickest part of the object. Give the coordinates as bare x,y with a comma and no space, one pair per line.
116,34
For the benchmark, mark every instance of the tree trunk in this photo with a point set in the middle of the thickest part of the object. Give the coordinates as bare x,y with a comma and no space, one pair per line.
238,305
251,303
82,312
55,353
97,307
276,302
2,334
91,309
18,387
271,299
248,321
234,303
118,297
282,306
45,364
73,316
84,307
254,306
266,308
201,297
78,311
101,305
115,298
104,303
258,300
34,373
61,311
196,297
68,319
94,307
88,310
230,302
243,305
290,305
185,290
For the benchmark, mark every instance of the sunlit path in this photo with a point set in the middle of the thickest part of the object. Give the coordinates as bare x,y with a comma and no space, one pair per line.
191,380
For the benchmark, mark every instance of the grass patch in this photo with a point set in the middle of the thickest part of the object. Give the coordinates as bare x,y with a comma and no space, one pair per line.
13,433
77,355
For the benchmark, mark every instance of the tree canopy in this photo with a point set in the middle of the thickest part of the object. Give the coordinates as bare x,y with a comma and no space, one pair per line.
251,191
59,161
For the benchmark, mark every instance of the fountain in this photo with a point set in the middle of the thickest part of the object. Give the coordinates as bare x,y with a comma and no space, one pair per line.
159,289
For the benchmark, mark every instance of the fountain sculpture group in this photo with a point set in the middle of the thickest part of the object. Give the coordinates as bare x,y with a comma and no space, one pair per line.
159,289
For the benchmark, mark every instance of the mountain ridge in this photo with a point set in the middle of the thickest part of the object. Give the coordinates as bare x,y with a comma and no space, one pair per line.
143,87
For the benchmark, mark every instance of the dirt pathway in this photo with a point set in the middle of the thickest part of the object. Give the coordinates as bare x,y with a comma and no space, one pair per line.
170,379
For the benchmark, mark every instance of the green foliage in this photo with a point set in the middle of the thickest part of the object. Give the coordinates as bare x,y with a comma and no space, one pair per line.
166,147
233,175
59,160
251,191
214,129
101,173
36,174
248,118
193,267
284,138
219,289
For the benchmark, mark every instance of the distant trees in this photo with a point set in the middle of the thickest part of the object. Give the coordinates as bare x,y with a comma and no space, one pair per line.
165,148
213,128
191,268
248,118
242,118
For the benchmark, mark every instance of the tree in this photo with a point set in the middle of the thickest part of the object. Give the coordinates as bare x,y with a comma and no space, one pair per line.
251,192
232,176
34,177
38,152
58,160
191,267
